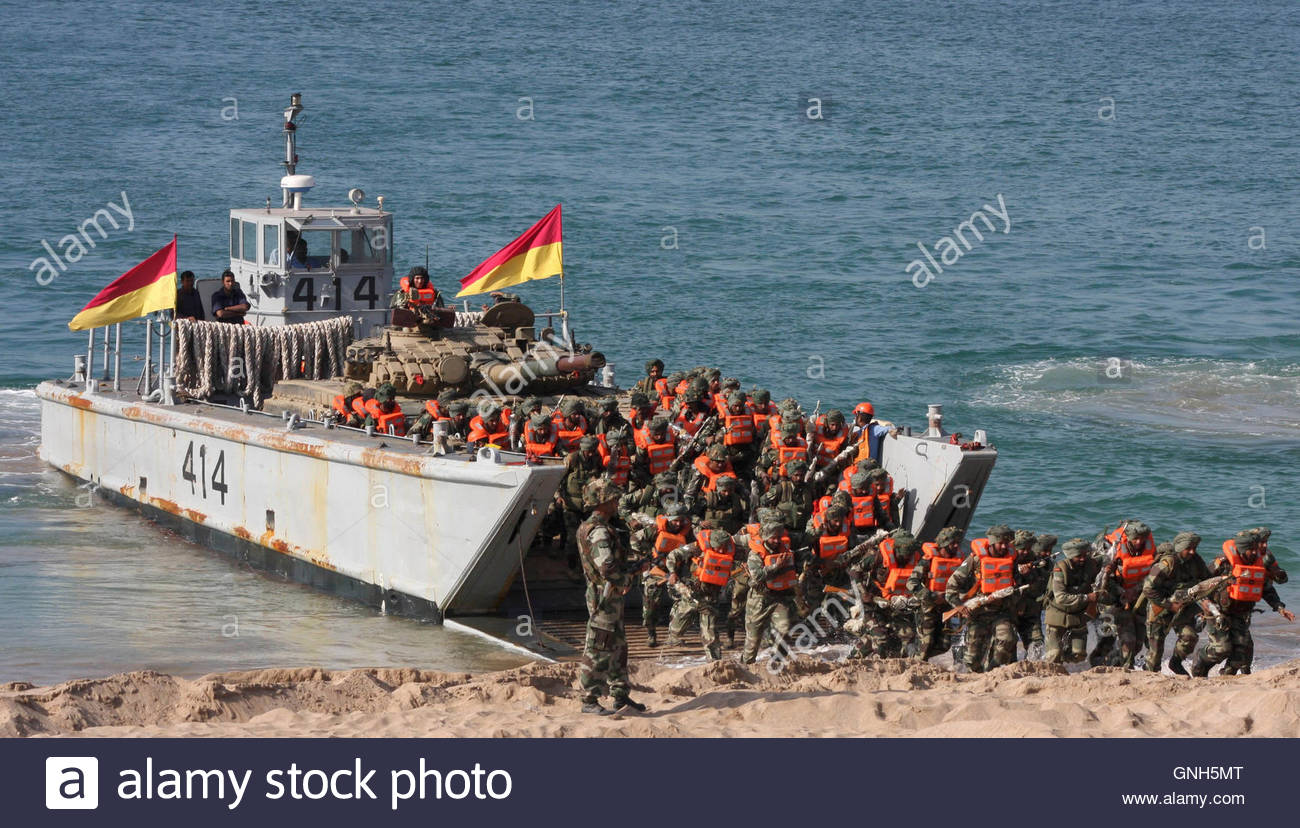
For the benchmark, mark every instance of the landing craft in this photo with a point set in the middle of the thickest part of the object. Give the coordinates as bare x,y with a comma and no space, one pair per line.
227,435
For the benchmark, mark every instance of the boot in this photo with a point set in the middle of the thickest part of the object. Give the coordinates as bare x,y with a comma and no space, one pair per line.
1176,664
1201,669
652,638
1228,670
594,707
731,637
626,705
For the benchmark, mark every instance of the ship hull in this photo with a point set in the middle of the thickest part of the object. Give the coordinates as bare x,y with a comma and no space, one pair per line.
386,523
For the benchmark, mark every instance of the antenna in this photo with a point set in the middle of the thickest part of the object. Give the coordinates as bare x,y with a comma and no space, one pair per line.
290,162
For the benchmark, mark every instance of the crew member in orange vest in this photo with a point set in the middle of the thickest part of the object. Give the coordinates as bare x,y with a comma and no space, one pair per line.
698,572
344,411
927,582
990,567
1132,553
1230,640
773,574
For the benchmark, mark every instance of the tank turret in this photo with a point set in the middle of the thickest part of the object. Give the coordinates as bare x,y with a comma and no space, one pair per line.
422,354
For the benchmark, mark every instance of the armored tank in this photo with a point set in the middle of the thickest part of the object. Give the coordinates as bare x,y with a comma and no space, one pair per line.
430,350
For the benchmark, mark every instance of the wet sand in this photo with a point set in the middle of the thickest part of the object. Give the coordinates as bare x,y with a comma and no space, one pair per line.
725,699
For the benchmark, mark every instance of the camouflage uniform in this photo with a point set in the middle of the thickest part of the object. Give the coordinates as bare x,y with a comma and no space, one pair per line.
891,629
875,636
646,385
934,636
742,455
1029,617
1169,574
1229,635
819,573
694,599
654,586
606,567
580,468
1068,590
1117,621
992,625
724,507
765,608
792,496
609,418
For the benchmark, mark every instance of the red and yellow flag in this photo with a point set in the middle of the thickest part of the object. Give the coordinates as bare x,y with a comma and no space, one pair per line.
149,286
534,255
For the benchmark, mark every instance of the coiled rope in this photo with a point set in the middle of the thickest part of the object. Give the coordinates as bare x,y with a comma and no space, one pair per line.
248,360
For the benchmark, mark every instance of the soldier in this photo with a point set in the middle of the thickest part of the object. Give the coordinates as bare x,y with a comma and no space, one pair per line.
671,530
792,495
829,437
868,433
896,559
830,536
457,419
725,507
760,404
1035,569
616,454
344,413
708,469
659,451
640,413
654,371
540,439
609,418
570,424
927,583
1275,572
490,425
609,573
1070,595
740,574
519,419
773,572
690,410
580,468
383,413
1181,568
785,445
1229,629
872,502
1133,552
737,435
698,572
989,568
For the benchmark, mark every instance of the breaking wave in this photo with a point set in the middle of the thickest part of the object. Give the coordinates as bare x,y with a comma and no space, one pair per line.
1213,396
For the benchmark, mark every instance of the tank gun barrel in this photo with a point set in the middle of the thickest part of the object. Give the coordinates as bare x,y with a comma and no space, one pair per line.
534,367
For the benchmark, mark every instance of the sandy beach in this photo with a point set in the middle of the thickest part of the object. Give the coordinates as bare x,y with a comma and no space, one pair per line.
725,699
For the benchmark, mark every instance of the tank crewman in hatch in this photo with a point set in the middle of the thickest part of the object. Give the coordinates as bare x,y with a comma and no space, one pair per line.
1181,568
415,292
1229,630
609,571
1070,594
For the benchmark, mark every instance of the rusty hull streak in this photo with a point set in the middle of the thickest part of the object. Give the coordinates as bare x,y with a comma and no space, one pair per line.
80,402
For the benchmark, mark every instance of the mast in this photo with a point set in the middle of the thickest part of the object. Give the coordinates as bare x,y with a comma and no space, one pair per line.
290,162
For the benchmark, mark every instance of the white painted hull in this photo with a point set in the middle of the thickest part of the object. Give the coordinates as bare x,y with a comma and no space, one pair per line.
393,524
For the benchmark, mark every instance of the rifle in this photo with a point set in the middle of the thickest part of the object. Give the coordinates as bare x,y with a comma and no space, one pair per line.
687,450
981,600
1102,584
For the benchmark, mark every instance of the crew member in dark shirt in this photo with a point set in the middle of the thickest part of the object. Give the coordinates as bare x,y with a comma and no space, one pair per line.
189,305
229,304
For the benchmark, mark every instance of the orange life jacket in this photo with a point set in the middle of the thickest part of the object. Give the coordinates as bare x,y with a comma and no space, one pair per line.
713,566
710,476
479,432
622,464
1251,578
864,511
383,420
941,567
785,577
359,407
852,470
739,429
640,434
418,296
664,392
690,423
666,541
784,453
540,445
820,504
341,406
832,546
435,410
895,582
994,573
566,437
828,447
1133,568
659,456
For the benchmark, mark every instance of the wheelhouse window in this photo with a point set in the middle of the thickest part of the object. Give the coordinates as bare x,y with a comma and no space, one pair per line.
234,238
271,245
248,232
